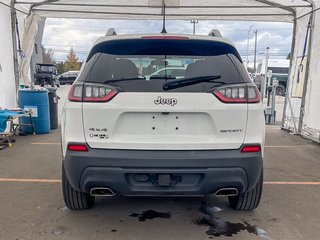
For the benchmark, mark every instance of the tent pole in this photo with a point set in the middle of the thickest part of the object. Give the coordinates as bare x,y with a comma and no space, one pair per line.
305,84
293,43
14,44
271,3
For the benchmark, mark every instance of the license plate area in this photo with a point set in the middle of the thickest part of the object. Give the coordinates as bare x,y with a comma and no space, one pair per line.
164,179
164,123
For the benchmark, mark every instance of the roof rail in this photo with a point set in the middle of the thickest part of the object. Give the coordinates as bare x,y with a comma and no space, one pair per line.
215,33
111,32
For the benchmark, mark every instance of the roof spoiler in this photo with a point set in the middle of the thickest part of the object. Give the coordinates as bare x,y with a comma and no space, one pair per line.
111,32
215,33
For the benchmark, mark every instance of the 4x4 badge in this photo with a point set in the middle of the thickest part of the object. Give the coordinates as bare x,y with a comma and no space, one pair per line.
168,101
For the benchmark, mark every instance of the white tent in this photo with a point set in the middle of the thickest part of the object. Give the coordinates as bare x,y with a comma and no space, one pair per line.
301,111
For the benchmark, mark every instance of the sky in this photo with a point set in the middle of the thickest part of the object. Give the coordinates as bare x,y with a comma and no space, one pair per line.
80,34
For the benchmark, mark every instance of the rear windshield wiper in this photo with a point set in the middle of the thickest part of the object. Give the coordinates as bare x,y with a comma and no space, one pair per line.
123,79
182,82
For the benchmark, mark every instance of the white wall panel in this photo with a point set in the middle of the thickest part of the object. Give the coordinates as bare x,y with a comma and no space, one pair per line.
7,83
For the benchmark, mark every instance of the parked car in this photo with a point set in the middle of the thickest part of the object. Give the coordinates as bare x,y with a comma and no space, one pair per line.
46,74
199,135
68,77
177,72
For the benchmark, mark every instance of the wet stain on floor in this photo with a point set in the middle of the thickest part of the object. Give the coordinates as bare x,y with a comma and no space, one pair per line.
150,214
218,227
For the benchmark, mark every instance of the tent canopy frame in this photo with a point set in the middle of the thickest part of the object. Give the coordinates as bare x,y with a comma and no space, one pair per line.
289,10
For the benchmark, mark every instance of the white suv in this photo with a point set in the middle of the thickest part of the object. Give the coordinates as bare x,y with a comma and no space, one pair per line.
124,134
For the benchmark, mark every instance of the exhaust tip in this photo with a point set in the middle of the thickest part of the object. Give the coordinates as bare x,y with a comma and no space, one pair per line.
227,192
102,192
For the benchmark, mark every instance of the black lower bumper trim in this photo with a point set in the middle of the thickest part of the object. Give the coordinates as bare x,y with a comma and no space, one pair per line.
202,172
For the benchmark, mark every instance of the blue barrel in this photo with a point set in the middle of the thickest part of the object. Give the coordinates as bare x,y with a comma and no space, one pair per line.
37,100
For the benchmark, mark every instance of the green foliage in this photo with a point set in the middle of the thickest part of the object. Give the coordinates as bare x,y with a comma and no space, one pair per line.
60,67
72,61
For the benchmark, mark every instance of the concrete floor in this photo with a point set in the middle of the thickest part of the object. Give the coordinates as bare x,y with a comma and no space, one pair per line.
35,210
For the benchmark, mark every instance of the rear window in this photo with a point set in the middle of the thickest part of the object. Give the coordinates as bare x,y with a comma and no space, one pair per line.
144,65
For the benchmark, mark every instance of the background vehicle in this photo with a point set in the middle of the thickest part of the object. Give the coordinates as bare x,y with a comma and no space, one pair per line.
280,72
46,74
193,136
68,77
177,72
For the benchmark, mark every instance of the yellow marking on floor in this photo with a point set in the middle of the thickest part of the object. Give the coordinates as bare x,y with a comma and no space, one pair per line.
39,180
284,146
292,183
44,143
30,180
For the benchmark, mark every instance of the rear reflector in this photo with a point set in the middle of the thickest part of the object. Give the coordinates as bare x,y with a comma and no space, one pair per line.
165,37
77,147
254,148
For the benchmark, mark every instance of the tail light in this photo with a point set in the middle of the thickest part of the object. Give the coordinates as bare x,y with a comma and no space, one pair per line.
238,94
251,148
78,147
91,93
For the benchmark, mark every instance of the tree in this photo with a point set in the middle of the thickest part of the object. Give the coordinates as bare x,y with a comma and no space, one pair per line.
60,67
289,56
250,69
72,61
47,55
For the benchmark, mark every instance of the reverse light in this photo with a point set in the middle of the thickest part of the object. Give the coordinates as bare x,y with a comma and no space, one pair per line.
75,93
238,94
91,93
251,148
78,147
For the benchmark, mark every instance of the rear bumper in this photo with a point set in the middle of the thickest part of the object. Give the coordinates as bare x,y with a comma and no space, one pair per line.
199,173
66,81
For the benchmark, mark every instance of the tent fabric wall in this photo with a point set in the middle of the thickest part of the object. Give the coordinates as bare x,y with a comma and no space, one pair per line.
292,111
7,81
27,45
311,123
296,11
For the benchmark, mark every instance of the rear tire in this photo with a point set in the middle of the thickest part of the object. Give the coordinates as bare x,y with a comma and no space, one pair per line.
249,200
73,199
281,90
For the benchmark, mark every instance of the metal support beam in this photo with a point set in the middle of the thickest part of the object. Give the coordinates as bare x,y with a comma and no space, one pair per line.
278,5
18,10
305,84
37,4
255,51
147,6
168,15
14,44
293,43
194,25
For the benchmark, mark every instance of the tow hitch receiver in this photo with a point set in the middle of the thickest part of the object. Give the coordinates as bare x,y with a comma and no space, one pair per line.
164,180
